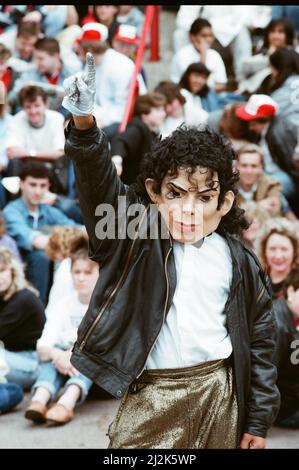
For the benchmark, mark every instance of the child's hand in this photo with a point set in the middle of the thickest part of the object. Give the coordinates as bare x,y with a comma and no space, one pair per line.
252,442
293,301
63,364
80,90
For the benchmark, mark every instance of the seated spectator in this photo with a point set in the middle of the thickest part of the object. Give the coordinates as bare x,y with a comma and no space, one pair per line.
112,87
50,73
179,108
7,75
40,131
27,220
129,147
229,124
270,130
254,184
5,119
278,248
255,69
125,42
22,319
256,216
284,83
57,18
21,44
131,15
199,50
195,81
6,241
286,312
58,249
230,24
291,12
10,396
55,346
106,15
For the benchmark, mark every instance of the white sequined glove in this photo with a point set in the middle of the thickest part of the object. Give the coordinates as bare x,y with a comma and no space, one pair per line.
80,90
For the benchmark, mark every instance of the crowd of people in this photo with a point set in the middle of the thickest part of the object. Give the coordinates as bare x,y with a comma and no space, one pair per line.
234,68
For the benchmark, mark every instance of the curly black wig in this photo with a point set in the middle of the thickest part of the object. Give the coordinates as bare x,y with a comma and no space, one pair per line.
190,147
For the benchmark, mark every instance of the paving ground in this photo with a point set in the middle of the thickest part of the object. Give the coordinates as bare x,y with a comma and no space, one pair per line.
88,429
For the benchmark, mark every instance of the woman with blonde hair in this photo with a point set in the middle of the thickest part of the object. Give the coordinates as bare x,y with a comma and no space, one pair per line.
256,216
22,319
59,247
278,249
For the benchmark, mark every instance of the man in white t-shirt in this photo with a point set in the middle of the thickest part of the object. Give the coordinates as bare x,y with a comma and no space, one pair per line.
199,50
35,132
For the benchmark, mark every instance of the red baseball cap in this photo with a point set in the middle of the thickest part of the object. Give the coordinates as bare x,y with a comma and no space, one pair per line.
126,33
258,106
94,32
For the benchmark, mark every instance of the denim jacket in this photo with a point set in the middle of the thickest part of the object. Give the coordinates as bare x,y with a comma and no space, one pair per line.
20,223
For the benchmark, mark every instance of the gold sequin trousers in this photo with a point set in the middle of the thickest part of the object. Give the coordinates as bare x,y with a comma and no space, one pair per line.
186,408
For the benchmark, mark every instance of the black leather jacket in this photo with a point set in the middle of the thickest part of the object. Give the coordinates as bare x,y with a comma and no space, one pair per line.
135,289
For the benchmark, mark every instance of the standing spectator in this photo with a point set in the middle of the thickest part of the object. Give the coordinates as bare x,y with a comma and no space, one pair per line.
26,218
129,147
199,50
40,131
22,319
56,343
278,247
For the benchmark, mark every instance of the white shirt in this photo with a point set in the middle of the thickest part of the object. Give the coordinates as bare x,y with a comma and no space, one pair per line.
194,330
48,138
188,55
62,285
193,115
62,323
113,80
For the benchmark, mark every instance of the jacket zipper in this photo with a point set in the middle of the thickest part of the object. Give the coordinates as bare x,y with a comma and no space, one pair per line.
165,306
96,320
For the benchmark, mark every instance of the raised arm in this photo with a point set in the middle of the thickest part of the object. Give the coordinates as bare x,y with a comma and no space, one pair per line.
87,146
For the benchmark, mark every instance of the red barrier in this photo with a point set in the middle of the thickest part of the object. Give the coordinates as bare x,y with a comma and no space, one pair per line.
155,36
149,15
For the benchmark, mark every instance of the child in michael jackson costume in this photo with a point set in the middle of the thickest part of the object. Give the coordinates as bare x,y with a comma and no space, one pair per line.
180,324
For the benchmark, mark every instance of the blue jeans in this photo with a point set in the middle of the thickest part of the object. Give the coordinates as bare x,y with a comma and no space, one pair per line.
52,380
23,367
10,395
38,271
